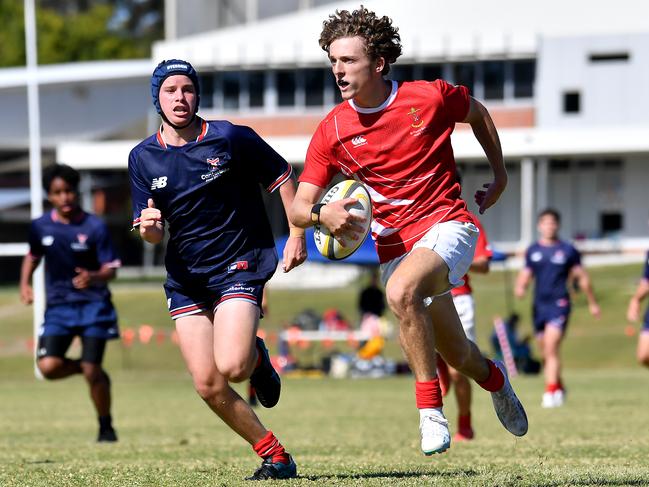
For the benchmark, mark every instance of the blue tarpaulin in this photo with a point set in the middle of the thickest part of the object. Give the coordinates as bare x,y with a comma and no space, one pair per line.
365,255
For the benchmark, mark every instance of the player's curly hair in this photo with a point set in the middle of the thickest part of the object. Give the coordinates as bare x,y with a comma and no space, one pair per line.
382,39
63,171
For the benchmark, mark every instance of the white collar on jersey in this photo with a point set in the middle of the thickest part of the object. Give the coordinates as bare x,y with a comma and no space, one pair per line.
382,106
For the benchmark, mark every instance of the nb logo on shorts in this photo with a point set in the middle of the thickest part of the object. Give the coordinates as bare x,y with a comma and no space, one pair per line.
158,183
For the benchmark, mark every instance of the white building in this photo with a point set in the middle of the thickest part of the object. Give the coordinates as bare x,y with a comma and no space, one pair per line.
566,85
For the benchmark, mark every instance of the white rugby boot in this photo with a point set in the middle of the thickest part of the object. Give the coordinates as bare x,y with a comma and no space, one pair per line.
509,409
548,400
435,436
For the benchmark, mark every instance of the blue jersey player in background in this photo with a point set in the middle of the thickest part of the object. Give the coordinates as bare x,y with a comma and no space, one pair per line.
633,314
79,261
200,182
553,263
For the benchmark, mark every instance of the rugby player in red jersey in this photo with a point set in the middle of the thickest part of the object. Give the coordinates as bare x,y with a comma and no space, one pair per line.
395,139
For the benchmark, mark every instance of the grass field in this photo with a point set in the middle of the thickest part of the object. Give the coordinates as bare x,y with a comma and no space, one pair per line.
341,432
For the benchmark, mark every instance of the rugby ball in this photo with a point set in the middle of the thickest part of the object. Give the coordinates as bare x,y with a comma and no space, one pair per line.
327,245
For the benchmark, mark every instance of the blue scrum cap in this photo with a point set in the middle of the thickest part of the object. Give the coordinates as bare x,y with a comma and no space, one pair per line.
170,68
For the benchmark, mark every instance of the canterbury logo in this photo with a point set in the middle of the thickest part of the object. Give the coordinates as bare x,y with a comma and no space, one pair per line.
359,140
158,183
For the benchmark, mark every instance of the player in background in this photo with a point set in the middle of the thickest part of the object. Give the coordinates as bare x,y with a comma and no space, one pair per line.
199,181
79,261
633,314
395,139
465,306
552,263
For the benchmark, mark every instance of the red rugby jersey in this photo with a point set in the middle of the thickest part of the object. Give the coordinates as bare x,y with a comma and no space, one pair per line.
402,152
482,249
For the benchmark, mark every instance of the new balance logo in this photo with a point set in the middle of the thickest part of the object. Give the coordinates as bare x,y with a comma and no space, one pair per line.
158,183
358,141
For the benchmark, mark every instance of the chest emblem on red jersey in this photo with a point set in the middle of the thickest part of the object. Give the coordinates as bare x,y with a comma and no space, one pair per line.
414,115
358,141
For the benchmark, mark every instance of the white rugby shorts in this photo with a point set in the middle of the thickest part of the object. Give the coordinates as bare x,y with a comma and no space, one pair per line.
453,241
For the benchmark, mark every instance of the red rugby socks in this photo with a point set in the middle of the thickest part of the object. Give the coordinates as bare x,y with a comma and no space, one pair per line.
269,446
495,381
428,394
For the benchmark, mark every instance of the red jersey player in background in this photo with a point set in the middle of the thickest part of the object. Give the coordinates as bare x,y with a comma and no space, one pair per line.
395,138
465,306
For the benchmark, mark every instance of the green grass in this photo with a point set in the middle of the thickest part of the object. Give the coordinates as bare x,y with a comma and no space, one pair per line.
341,432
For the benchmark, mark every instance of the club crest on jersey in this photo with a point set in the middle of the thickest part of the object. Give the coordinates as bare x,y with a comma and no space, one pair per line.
81,243
216,165
417,121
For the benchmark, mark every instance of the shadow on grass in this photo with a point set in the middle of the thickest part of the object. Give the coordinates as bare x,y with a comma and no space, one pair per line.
392,475
595,481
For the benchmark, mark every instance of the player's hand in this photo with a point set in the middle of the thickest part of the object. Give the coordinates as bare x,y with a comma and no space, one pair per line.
340,222
26,294
595,310
150,216
151,225
83,279
633,311
519,292
294,253
487,198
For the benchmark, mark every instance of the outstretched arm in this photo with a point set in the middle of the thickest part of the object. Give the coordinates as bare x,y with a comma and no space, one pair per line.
295,248
27,269
522,281
641,292
579,273
485,131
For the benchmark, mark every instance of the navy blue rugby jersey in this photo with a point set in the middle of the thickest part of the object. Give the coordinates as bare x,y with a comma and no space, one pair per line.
551,265
645,274
209,195
84,242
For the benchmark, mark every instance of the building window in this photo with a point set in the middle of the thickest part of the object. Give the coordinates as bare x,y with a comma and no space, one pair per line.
314,87
206,82
256,89
401,73
524,74
609,57
431,72
494,80
610,222
286,88
231,88
464,74
337,96
571,102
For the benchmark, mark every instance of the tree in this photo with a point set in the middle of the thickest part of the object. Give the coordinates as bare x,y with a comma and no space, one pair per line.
80,36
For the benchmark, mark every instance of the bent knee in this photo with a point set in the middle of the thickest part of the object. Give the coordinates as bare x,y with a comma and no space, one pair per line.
236,371
402,297
208,389
49,366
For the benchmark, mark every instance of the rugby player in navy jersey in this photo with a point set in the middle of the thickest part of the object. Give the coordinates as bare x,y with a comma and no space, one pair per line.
633,314
199,181
79,261
553,263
